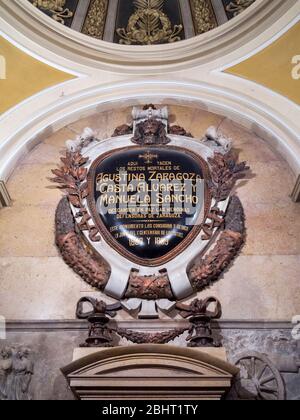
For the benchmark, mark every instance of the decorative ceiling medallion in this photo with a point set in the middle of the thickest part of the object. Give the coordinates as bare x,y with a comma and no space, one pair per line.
149,25
150,214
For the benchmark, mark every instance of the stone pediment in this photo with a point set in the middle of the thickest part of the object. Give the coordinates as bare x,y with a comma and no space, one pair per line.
149,371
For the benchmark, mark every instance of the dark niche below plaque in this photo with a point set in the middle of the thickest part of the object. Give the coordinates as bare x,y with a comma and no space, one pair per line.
149,203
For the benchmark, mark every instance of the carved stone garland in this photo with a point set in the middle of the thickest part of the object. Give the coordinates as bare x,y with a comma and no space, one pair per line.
94,270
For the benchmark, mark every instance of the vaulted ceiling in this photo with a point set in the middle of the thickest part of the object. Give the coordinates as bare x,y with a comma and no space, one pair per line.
142,22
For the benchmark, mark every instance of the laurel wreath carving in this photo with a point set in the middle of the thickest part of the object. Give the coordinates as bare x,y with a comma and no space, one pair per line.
87,264
71,177
226,171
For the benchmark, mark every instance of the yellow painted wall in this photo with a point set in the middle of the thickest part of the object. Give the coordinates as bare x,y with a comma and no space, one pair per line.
25,76
272,67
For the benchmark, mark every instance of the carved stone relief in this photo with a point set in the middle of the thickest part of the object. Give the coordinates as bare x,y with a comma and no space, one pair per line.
16,370
258,379
267,339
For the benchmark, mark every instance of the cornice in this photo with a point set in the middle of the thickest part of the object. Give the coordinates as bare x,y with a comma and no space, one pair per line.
19,326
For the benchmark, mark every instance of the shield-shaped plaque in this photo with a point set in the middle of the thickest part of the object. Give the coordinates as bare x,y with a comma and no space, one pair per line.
149,203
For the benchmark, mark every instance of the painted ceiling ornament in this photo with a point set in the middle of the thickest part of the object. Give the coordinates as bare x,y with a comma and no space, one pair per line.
56,8
150,217
149,25
238,6
203,16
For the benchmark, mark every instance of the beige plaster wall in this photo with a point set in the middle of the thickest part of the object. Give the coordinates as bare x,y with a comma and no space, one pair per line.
263,282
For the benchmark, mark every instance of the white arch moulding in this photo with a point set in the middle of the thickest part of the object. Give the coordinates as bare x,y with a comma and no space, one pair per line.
248,111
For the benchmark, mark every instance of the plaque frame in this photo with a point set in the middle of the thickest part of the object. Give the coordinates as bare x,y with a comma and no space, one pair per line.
178,249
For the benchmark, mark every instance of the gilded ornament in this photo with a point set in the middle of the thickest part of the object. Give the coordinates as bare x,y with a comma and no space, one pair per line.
94,24
203,16
238,6
149,25
56,8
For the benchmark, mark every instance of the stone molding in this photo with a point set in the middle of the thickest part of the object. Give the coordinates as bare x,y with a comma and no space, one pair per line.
146,325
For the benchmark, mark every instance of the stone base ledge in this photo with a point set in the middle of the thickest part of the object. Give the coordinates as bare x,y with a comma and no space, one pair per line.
142,325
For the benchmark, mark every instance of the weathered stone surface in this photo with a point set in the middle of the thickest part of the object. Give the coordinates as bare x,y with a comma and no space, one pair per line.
196,121
259,287
37,288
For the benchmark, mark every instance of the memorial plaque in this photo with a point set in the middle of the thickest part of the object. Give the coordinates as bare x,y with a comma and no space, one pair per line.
150,221
149,203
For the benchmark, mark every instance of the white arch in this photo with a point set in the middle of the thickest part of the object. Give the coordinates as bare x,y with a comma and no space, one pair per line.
275,128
